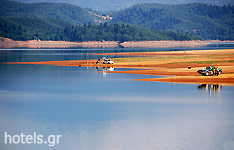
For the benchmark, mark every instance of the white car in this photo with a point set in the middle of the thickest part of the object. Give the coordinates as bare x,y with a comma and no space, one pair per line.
108,61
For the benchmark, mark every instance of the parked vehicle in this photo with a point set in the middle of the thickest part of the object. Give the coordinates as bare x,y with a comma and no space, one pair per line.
209,71
108,61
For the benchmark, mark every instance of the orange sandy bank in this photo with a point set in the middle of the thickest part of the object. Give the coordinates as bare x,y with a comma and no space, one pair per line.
8,43
173,64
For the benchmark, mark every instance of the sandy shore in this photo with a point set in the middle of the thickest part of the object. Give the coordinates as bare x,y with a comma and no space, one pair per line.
164,44
173,65
218,41
8,43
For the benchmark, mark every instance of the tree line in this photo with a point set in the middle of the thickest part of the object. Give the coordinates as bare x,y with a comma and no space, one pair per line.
45,29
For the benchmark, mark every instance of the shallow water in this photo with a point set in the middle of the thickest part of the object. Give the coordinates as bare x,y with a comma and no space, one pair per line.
94,110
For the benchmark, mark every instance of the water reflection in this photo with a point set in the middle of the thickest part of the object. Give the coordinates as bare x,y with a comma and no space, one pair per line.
210,87
108,68
115,112
105,68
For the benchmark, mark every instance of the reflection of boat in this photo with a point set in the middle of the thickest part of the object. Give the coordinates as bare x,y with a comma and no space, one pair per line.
210,87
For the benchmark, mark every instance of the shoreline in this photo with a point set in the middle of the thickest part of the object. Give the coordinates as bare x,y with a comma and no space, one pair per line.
8,43
173,65
164,44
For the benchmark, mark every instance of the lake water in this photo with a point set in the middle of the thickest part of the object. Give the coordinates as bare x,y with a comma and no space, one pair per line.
97,111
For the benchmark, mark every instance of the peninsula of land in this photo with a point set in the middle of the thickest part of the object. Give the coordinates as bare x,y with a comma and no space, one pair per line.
172,65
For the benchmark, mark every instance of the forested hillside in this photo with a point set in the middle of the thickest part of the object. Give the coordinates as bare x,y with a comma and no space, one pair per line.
206,21
65,12
51,21
45,29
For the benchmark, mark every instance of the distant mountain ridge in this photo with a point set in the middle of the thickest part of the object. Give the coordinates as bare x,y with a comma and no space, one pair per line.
110,5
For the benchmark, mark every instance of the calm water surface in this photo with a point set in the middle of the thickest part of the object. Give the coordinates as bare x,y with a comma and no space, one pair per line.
96,111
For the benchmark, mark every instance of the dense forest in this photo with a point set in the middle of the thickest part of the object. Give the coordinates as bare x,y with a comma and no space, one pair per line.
65,12
46,29
206,21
